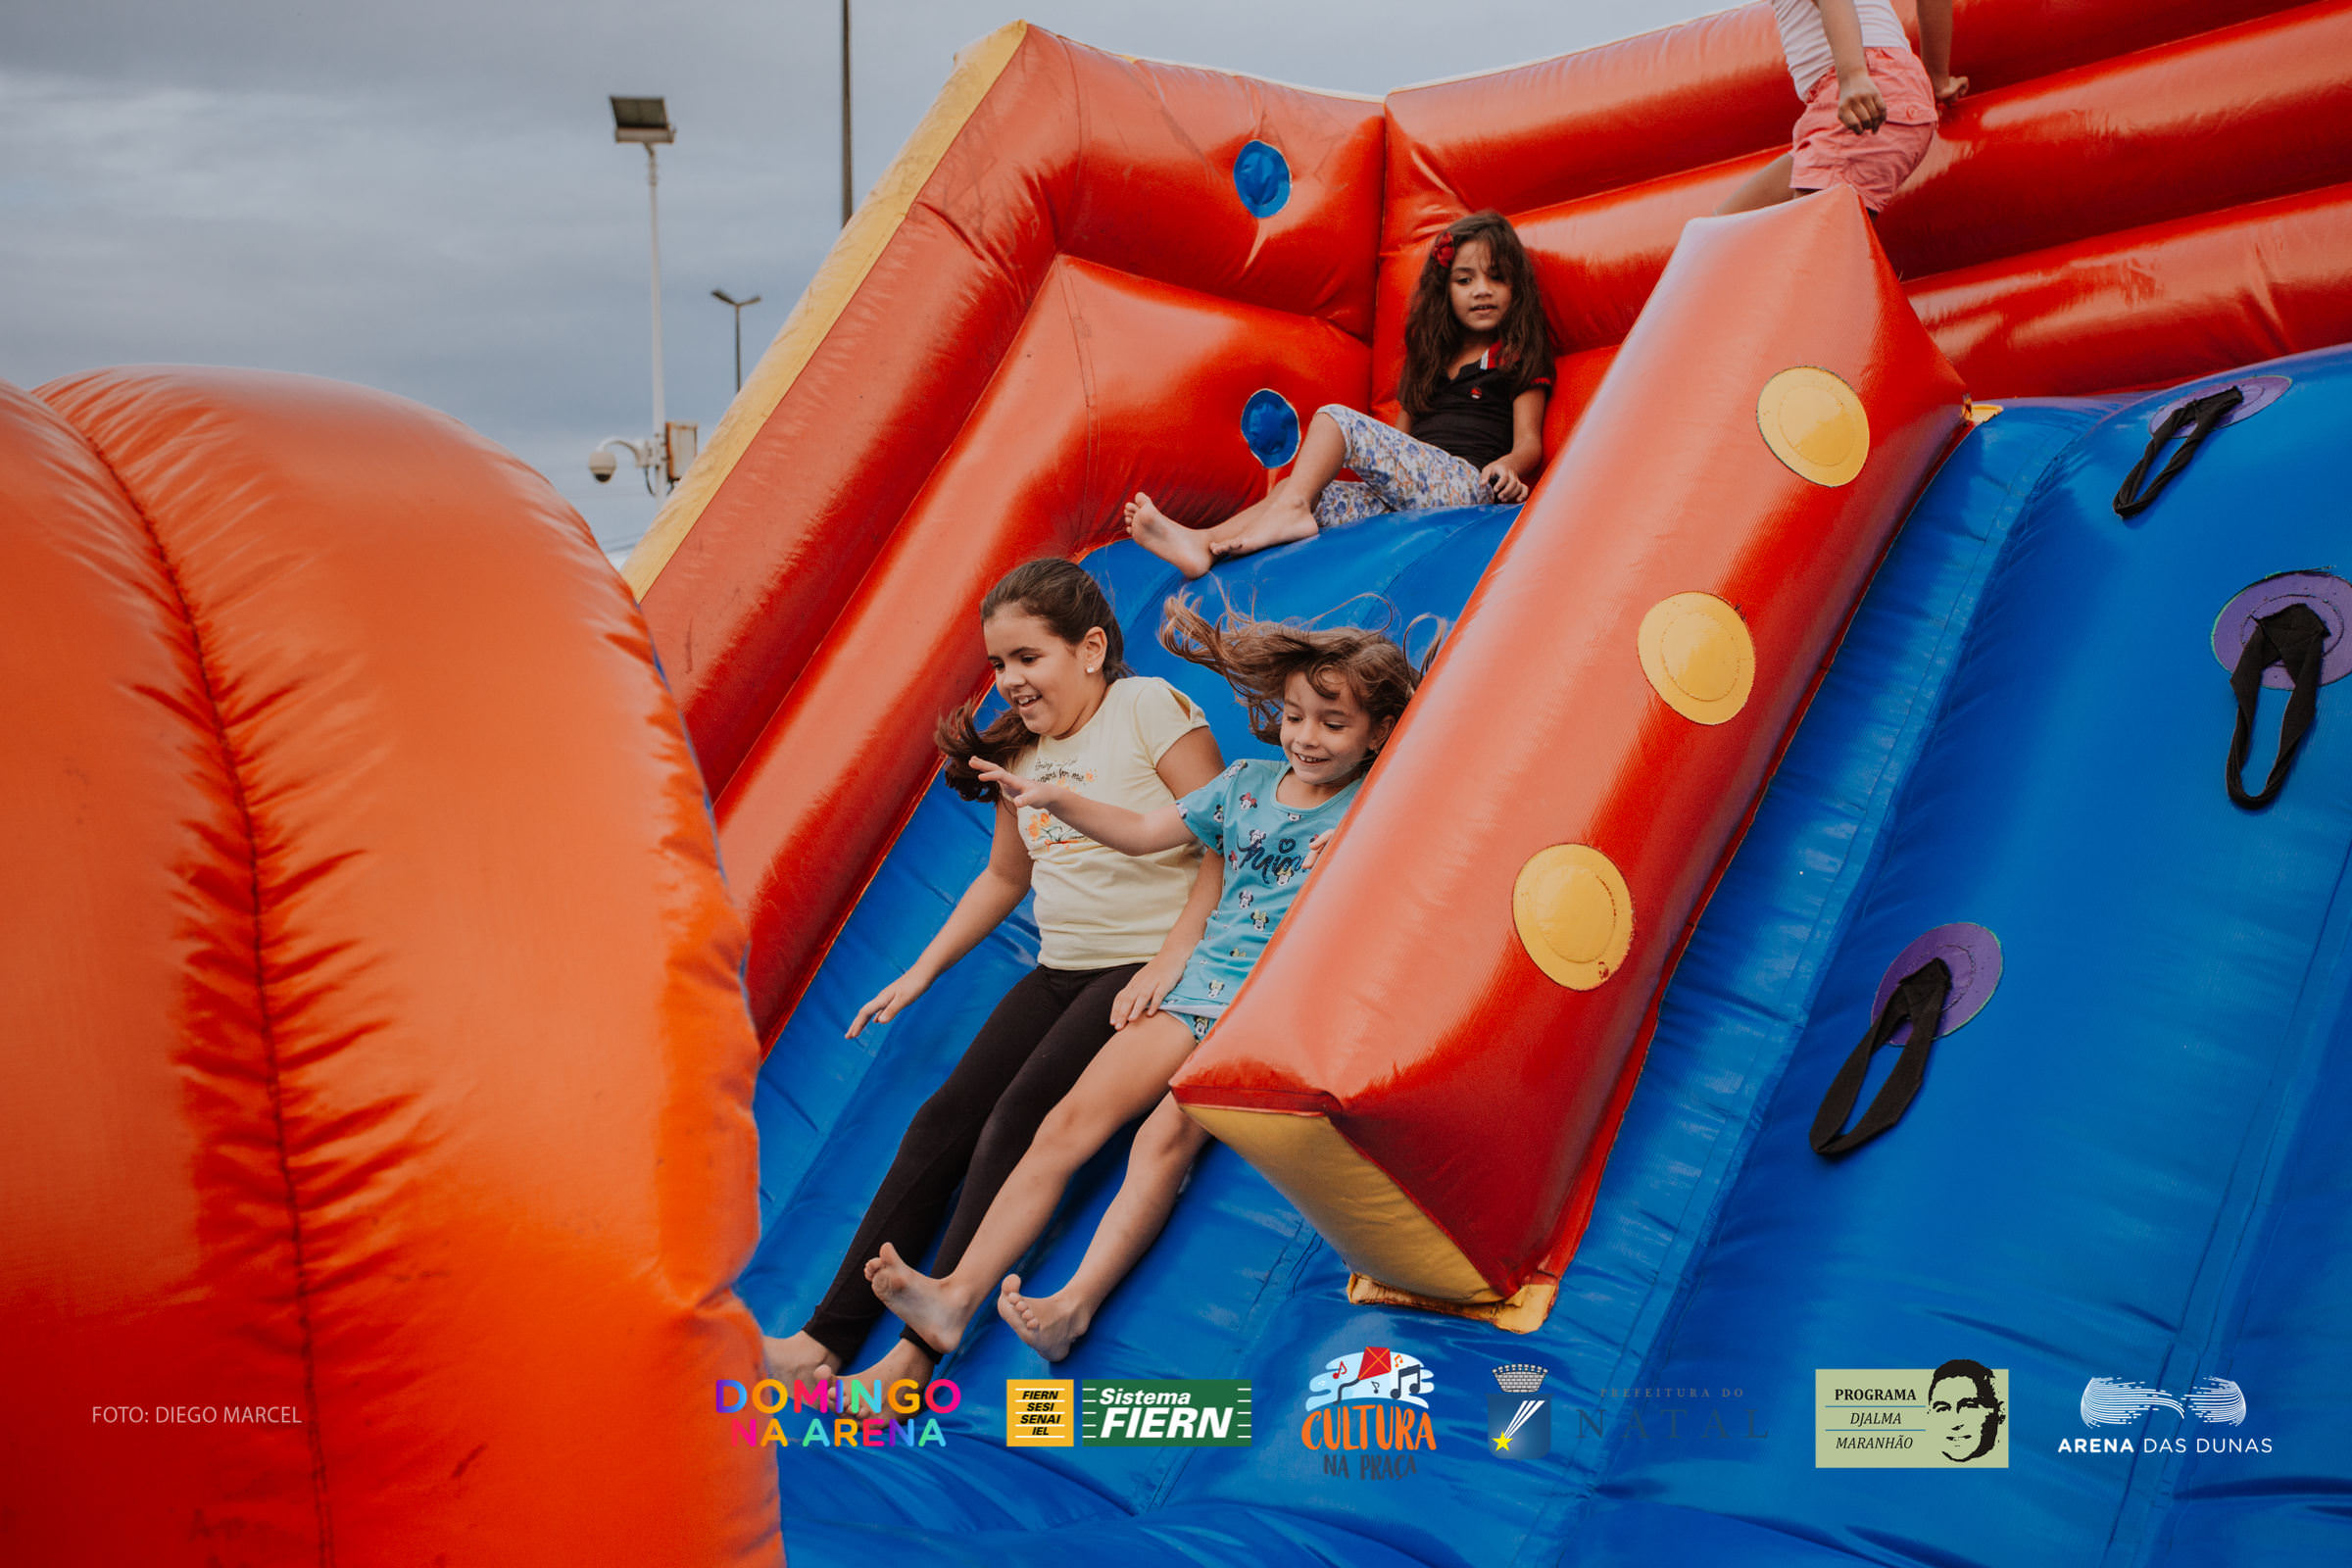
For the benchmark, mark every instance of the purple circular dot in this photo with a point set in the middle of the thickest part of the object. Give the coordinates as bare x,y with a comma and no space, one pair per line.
2261,391
2329,597
1972,954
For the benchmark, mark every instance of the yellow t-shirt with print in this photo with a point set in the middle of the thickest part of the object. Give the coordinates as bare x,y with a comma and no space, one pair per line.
1095,907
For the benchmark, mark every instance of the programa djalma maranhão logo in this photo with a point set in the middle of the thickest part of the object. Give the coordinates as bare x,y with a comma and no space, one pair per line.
1371,1404
841,1413
1912,1418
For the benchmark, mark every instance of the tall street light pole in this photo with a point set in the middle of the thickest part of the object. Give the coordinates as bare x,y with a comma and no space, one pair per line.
725,298
646,121
848,201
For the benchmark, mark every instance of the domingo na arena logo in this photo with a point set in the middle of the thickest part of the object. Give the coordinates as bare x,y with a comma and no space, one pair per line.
1374,1405
841,1413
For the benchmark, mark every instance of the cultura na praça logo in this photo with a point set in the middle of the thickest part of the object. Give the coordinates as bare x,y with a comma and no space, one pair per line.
1373,1403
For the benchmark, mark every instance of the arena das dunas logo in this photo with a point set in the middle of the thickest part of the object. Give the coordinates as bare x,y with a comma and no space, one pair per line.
1373,1405
2212,1403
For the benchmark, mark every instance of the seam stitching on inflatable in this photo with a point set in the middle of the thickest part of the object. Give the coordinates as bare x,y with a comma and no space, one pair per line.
1854,874
237,779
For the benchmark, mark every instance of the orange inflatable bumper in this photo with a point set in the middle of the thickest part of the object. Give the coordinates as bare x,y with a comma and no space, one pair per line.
375,1148
1436,1086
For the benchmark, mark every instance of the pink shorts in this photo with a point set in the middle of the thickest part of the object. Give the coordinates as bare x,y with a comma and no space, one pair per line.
1874,163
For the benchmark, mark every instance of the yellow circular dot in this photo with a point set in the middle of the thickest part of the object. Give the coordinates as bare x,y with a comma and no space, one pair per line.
1575,915
1698,656
1815,425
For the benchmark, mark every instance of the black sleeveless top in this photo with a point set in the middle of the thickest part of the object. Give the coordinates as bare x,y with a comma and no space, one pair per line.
1471,415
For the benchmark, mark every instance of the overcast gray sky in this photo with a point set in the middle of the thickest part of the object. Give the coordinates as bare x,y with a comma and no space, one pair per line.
425,197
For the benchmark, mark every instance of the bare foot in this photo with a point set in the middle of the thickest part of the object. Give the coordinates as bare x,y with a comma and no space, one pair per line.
1172,542
799,1359
1284,521
901,1361
922,1302
1048,1324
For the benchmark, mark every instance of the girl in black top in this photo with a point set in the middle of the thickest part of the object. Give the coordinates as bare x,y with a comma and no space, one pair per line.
1477,369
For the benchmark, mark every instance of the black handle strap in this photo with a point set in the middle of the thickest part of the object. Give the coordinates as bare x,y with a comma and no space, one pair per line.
1919,997
2200,417
2297,638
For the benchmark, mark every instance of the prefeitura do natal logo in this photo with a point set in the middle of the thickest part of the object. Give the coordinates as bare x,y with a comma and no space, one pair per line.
1518,1421
1372,1406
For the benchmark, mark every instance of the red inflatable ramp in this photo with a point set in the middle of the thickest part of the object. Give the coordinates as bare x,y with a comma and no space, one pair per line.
1432,1058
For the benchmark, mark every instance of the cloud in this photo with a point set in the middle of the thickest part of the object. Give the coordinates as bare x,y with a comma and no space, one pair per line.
426,197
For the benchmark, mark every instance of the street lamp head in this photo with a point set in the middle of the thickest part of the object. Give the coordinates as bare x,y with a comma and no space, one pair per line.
641,119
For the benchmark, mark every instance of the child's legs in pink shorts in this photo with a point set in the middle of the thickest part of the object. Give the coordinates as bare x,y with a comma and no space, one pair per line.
1874,163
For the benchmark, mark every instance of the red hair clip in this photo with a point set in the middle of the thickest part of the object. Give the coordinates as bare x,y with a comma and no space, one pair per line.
1442,250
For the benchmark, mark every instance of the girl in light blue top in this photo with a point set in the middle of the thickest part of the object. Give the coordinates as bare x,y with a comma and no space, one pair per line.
1329,698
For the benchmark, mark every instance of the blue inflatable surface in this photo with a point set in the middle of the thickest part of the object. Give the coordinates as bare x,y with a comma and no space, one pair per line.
2126,1167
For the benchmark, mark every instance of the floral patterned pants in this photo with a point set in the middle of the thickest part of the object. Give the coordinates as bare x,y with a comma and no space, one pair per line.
1394,473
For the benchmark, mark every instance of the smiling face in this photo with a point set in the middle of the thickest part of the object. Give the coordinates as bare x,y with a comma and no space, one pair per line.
1054,686
1481,295
1957,1417
1327,739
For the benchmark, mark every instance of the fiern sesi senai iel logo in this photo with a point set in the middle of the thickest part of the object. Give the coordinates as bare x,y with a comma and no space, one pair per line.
842,1412
1373,1403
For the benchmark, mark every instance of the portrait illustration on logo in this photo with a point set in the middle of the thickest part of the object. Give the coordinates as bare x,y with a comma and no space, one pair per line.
1965,1411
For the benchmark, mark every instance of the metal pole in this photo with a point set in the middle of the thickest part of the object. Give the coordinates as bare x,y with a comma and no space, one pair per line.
653,196
848,202
738,348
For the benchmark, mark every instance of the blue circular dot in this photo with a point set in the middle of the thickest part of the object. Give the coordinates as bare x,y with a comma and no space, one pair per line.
1261,177
1271,427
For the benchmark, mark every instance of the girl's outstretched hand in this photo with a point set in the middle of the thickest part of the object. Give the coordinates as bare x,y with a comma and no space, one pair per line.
1014,789
892,1000
1141,996
1503,481
1314,849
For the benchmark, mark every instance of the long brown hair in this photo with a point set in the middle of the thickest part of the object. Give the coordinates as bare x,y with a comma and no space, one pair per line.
1432,334
1259,658
1061,594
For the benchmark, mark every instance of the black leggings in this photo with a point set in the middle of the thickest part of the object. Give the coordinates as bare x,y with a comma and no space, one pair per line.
974,1129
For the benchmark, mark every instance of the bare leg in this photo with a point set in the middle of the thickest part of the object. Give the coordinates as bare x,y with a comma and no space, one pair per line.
798,1357
1119,1085
1163,1151
900,1361
1766,187
1287,515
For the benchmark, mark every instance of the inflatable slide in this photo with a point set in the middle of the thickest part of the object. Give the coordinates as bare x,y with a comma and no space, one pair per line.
1817,1045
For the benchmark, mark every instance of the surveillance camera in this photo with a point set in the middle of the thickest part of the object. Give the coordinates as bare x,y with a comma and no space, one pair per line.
601,463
